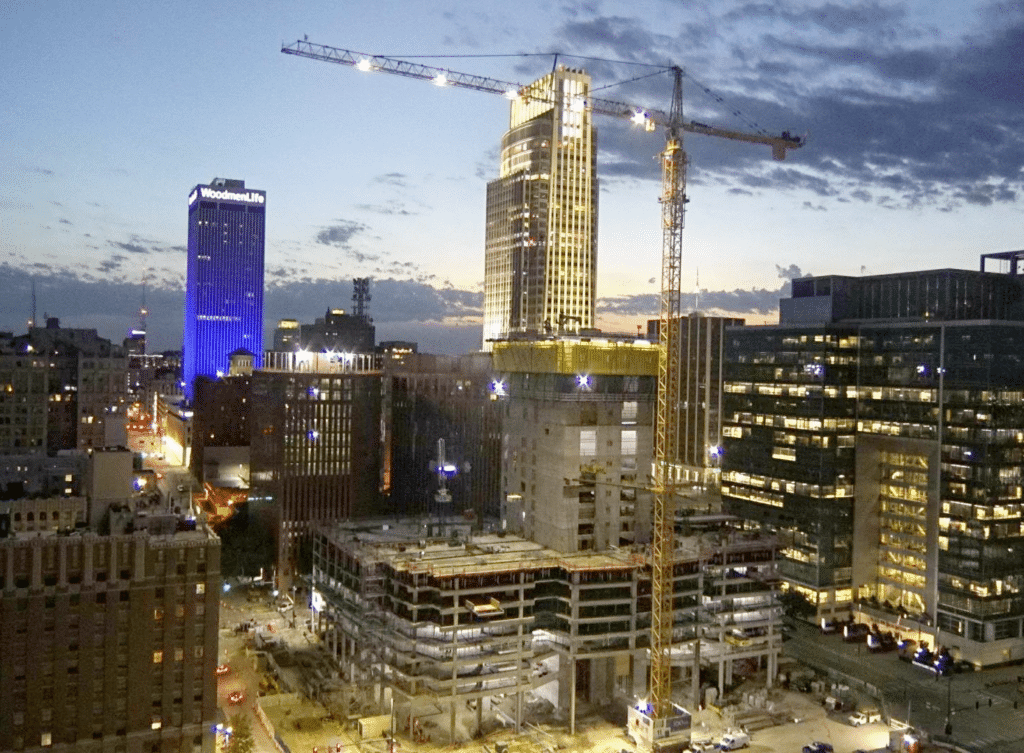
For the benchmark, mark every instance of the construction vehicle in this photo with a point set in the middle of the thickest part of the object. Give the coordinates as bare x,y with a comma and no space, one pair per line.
660,723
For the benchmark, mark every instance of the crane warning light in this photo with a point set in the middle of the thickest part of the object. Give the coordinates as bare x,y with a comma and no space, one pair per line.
364,65
512,94
440,79
639,117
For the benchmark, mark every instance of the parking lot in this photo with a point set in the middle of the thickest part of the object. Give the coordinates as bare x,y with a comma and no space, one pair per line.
982,707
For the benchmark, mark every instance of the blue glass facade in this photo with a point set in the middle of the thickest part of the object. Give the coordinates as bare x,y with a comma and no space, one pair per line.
224,284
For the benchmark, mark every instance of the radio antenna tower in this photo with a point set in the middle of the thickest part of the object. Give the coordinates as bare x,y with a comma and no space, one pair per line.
361,297
143,312
32,319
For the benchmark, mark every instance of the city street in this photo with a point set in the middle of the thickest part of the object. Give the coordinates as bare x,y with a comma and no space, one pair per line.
243,675
981,704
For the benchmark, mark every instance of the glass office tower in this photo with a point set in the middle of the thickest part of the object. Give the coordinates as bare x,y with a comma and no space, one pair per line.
224,284
540,270
879,429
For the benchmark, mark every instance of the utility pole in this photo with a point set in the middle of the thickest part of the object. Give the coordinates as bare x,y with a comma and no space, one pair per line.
949,706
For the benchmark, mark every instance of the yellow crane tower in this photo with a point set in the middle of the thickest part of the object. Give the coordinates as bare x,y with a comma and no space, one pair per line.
673,205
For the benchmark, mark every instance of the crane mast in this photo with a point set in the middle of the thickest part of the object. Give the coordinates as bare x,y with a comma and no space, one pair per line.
666,435
673,204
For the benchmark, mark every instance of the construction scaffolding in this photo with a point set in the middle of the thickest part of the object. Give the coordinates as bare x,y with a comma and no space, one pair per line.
494,622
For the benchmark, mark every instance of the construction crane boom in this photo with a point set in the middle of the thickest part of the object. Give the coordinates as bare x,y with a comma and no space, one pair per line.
673,205
646,117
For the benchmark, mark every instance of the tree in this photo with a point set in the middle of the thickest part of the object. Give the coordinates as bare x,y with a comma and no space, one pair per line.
241,740
795,605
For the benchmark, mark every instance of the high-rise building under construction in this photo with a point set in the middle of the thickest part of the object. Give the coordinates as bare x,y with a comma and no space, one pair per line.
541,239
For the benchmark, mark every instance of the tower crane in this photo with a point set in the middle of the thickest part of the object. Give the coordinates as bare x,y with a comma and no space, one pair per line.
673,205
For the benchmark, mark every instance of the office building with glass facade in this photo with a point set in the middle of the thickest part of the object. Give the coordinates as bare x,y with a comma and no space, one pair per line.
224,279
540,267
880,429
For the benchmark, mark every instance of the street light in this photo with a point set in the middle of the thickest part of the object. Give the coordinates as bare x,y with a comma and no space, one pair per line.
949,706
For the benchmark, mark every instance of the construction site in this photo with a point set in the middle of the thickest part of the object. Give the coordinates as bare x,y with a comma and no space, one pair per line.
461,634
487,619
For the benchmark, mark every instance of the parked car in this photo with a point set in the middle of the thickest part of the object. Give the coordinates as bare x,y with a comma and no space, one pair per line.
818,747
236,696
828,626
222,669
907,648
855,632
880,642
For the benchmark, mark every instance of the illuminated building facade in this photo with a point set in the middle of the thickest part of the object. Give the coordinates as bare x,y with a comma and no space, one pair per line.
61,389
540,266
336,330
315,446
880,429
577,440
109,633
701,342
224,281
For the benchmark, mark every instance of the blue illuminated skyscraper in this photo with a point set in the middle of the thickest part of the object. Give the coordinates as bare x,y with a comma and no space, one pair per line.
224,285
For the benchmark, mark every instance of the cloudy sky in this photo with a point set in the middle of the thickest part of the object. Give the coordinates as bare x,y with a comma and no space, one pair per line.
110,113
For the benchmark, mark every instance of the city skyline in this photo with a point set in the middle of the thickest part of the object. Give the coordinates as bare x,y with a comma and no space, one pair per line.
912,112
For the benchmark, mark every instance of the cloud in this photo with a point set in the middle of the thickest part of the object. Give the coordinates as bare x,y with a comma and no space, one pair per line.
137,245
113,264
624,38
392,208
340,234
836,19
896,114
737,302
134,248
393,179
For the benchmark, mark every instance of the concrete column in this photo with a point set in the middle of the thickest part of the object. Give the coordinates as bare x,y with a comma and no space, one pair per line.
641,671
62,564
572,692
455,654
37,566
524,651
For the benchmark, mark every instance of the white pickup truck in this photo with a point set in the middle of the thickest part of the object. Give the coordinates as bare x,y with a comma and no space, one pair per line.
865,716
733,741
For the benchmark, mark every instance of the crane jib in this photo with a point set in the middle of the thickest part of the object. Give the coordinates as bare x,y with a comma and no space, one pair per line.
511,89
